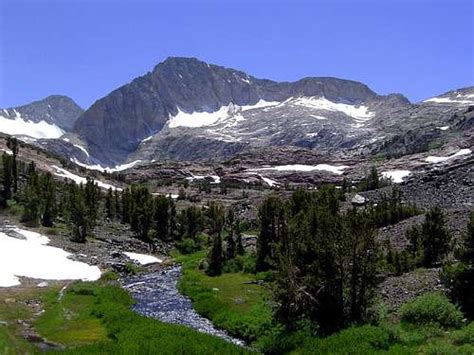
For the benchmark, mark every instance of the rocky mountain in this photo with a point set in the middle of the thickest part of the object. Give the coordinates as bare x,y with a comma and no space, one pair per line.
186,109
47,118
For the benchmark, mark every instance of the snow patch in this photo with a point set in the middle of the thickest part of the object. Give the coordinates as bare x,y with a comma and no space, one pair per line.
319,117
460,99
32,257
106,169
444,128
397,176
21,126
433,159
335,169
216,178
82,148
143,259
147,138
202,119
268,181
360,112
79,179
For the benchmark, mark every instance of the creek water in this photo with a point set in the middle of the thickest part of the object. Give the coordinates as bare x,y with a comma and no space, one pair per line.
157,296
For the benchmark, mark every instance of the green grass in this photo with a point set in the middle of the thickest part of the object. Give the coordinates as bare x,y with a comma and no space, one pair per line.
70,321
95,318
231,301
14,308
393,339
130,333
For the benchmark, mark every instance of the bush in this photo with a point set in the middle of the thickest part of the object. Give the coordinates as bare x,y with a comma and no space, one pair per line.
366,339
432,308
187,246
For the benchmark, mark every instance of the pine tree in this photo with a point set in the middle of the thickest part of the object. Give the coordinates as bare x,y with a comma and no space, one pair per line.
215,258
32,198
436,238
110,205
12,144
459,278
78,214
7,178
48,203
270,216
126,205
162,218
118,205
92,196
141,212
216,217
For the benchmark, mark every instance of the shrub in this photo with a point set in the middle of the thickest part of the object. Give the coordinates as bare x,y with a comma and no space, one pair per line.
355,340
187,246
433,308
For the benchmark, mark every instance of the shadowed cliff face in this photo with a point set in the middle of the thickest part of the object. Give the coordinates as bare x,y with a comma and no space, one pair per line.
114,126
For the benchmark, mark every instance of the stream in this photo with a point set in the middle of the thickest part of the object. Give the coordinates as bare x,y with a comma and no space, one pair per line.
156,296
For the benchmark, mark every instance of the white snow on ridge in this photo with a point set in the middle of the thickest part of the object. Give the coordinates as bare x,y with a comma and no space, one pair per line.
147,138
202,119
20,126
299,167
361,112
460,99
444,128
83,149
32,257
268,181
197,119
79,179
143,259
433,159
397,176
106,169
216,178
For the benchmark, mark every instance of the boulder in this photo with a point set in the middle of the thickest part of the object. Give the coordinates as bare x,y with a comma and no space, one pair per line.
358,200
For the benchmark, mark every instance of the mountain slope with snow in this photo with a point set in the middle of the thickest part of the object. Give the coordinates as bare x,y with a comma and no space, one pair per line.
47,118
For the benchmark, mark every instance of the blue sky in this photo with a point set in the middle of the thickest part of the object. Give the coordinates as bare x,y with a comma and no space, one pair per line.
87,48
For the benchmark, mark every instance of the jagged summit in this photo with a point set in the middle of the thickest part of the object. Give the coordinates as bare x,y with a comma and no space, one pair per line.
187,109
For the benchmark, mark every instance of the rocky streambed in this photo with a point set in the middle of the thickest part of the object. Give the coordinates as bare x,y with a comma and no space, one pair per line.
157,296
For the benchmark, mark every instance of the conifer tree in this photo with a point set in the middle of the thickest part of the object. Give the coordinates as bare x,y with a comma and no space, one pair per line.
48,200
12,144
126,205
91,198
110,205
459,278
141,212
32,198
7,178
436,238
162,218
270,216
216,217
118,206
215,258
78,214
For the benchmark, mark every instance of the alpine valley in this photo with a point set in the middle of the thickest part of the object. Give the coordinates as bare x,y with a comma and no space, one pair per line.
275,217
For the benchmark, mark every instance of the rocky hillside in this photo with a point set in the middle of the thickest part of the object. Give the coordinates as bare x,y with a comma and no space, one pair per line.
185,104
46,118
188,110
